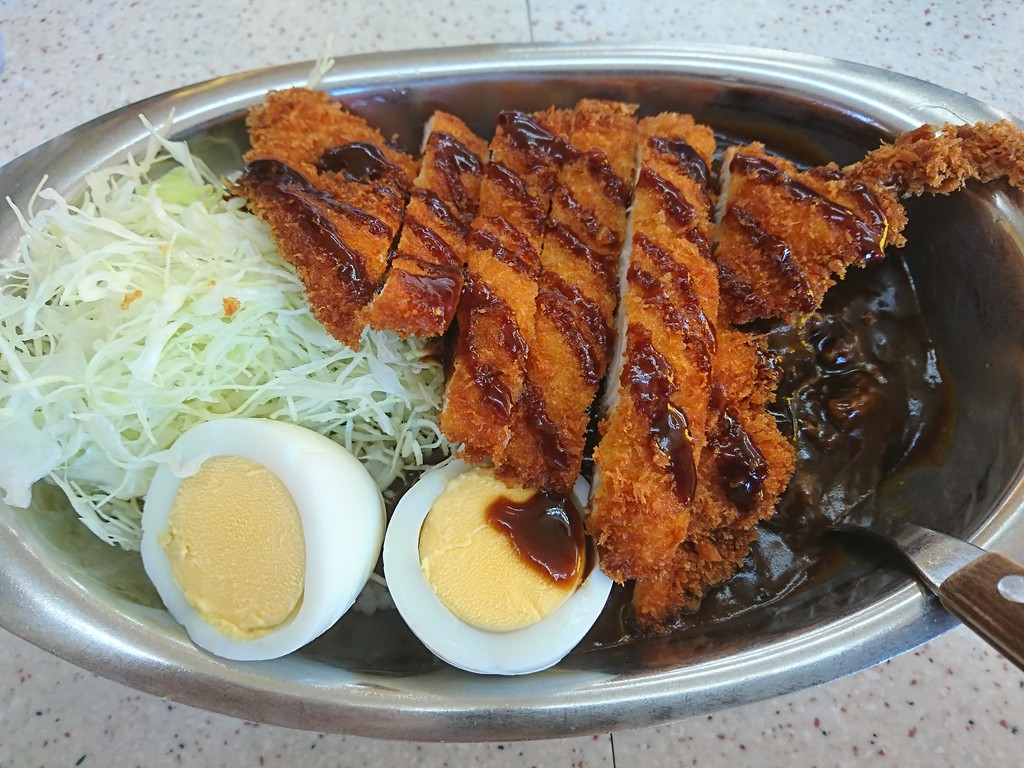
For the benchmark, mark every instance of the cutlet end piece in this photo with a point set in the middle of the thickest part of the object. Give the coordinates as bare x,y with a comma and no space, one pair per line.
333,192
942,159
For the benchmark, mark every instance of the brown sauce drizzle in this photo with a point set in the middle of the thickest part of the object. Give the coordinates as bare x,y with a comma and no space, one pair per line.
546,531
685,157
681,311
521,256
580,323
587,218
276,173
673,440
452,160
742,293
573,245
434,244
740,468
543,430
441,212
675,206
529,136
701,242
777,252
679,210
872,211
615,189
514,188
655,297
436,292
494,390
649,379
305,204
866,237
361,162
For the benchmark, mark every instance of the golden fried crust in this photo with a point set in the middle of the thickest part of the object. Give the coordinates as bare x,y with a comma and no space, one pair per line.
576,299
496,315
698,564
296,126
741,476
423,287
653,437
786,236
335,226
942,160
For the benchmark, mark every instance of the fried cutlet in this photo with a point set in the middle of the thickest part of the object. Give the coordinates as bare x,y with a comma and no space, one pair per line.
576,299
791,235
785,236
333,192
422,288
942,159
655,430
496,314
744,469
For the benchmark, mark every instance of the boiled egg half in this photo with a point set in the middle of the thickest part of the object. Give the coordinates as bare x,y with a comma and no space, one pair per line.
258,535
492,579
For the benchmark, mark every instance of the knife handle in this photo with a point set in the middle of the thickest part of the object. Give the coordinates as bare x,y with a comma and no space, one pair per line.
988,596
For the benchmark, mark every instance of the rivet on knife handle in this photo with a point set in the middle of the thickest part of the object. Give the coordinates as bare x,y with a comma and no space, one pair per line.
988,596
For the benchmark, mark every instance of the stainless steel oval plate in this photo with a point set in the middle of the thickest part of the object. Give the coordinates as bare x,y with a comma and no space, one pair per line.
90,604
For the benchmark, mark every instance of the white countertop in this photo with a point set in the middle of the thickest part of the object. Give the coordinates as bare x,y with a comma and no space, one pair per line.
951,702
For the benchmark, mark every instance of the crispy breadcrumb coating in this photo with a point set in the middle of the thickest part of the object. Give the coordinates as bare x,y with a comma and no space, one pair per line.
577,294
333,192
742,473
942,159
423,287
654,433
496,315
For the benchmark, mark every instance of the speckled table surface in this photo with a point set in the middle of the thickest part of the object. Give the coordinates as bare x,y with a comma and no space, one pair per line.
951,702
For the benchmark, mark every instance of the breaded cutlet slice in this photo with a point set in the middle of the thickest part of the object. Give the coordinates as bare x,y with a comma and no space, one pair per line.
576,299
333,192
785,236
497,312
659,389
743,471
422,288
942,159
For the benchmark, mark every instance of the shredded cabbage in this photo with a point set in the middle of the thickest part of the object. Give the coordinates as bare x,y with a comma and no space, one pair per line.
159,303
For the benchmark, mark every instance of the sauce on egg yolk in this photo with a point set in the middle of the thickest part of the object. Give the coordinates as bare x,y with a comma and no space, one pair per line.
236,546
495,557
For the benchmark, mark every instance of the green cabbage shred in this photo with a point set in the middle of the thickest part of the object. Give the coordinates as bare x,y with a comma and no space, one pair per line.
158,303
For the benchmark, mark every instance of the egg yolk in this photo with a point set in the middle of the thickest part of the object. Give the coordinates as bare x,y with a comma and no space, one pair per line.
474,567
235,544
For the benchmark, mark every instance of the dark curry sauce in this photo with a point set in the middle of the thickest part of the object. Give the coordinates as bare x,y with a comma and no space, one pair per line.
863,398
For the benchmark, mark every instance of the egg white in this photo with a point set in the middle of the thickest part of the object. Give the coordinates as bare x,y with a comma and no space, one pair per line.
517,652
339,505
